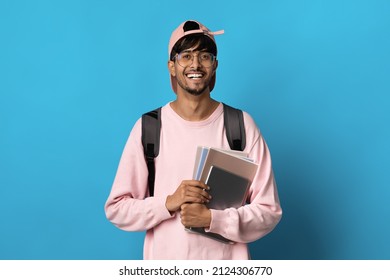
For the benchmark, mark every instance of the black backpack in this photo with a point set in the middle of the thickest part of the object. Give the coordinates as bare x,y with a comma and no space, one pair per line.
151,126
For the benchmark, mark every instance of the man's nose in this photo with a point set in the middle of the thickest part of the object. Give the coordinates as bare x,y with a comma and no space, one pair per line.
195,61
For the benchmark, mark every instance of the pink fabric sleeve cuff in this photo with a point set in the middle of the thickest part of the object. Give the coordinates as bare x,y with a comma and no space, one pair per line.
161,210
217,220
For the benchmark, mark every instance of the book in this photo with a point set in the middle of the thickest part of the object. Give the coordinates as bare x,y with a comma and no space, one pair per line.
229,175
202,153
228,190
236,163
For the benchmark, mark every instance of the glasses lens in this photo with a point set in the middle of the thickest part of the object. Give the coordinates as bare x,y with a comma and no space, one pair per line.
186,58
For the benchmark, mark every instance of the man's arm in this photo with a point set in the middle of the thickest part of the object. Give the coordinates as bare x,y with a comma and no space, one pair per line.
263,212
128,206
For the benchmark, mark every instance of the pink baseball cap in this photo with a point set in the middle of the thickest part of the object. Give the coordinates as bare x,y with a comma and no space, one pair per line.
186,28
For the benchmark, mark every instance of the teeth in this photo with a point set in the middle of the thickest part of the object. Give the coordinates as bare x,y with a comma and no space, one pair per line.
194,76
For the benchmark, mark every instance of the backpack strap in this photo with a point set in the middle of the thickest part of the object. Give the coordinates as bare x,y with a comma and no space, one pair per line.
151,126
235,128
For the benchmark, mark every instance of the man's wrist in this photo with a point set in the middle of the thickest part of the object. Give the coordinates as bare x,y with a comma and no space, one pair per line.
208,218
168,206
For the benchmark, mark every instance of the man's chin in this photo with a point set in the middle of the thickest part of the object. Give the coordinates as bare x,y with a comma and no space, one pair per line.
196,91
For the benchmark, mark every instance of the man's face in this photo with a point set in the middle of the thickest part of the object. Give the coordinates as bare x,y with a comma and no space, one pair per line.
194,78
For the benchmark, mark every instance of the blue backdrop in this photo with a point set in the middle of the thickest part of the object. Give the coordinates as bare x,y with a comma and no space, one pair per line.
75,75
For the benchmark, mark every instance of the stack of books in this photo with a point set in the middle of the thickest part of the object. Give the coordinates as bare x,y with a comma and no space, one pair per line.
229,174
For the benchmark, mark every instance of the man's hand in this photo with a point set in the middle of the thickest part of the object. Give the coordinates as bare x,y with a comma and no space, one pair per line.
195,215
189,191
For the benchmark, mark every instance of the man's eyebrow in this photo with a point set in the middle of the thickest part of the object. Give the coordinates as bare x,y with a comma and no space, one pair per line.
195,49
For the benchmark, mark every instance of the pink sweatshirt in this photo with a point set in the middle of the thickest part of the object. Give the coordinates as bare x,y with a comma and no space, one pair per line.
129,207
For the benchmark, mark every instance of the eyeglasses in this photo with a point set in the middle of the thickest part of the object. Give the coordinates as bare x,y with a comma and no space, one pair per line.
186,58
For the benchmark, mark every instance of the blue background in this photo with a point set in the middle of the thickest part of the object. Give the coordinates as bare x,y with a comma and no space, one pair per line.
75,76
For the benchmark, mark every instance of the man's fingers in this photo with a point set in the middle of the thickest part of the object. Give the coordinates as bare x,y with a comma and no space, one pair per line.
195,183
198,193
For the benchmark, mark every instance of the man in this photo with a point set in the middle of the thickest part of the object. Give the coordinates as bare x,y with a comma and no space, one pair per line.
193,119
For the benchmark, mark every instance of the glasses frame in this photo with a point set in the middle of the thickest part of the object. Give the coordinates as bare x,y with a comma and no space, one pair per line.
177,58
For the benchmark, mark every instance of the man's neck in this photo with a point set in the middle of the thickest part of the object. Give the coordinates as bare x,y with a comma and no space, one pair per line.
194,108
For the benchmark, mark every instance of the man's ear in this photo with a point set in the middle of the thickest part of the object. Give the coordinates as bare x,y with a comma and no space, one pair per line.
171,68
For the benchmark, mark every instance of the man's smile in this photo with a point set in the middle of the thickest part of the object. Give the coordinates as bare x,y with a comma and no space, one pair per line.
195,76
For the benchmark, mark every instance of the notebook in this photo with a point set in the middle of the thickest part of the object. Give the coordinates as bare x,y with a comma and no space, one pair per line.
227,190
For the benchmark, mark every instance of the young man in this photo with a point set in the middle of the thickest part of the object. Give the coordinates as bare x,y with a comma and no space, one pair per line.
193,119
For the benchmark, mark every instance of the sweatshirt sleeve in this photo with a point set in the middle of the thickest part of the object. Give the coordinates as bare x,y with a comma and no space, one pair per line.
128,206
263,212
